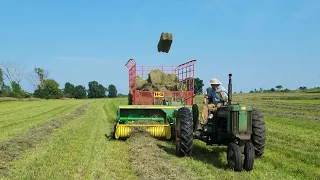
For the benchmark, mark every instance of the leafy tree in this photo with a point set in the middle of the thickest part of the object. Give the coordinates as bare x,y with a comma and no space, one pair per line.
79,92
13,71
272,90
69,90
49,90
121,95
37,77
198,85
96,90
6,88
260,90
279,87
112,91
16,88
286,90
302,88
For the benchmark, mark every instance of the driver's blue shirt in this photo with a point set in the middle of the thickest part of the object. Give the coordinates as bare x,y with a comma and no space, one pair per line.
213,96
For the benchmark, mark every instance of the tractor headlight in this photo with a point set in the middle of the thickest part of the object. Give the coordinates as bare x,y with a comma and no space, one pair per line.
210,116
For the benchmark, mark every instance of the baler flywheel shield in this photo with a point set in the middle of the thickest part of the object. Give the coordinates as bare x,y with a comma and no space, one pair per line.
155,130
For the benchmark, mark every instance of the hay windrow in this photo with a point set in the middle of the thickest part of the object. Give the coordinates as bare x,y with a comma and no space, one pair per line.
149,161
12,149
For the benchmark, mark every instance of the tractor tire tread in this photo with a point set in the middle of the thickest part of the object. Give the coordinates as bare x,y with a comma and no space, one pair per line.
258,137
186,125
238,166
249,156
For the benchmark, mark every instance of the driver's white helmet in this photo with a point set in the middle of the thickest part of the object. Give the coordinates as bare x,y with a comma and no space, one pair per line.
214,81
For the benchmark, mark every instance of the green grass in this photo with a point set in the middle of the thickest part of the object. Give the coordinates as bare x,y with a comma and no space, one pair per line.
19,116
81,148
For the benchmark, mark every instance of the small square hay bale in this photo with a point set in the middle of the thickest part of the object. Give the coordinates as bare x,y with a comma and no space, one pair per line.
165,42
156,77
140,82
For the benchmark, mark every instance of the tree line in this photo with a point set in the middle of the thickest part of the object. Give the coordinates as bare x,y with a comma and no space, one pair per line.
47,88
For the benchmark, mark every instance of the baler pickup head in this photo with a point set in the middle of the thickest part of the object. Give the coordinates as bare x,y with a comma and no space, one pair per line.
157,120
155,130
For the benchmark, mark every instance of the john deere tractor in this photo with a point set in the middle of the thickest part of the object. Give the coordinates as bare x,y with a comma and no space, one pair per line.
240,127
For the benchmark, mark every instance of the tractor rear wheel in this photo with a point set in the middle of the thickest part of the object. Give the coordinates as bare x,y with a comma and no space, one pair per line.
248,156
234,157
258,137
184,132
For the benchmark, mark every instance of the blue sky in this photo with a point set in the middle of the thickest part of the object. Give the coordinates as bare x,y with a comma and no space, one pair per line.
263,43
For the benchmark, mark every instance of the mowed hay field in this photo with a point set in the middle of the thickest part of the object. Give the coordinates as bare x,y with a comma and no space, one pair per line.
70,139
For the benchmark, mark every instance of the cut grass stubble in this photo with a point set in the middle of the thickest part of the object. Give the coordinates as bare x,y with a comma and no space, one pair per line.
12,149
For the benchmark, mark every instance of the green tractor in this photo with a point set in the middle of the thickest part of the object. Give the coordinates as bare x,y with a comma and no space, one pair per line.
240,127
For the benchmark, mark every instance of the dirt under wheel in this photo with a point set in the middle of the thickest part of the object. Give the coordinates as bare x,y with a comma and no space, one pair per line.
195,116
258,137
184,132
234,157
248,156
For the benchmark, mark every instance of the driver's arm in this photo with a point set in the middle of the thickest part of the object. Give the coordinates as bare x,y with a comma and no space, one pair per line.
207,96
205,99
219,91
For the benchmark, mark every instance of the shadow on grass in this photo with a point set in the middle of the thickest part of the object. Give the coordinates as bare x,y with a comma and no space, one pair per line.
214,157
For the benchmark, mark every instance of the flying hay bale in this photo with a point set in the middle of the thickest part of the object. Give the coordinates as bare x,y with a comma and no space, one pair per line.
165,42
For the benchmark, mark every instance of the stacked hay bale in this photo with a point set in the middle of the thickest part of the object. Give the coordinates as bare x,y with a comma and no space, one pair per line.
160,81
165,42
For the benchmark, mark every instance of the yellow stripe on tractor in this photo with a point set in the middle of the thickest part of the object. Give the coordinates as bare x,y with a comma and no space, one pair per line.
155,130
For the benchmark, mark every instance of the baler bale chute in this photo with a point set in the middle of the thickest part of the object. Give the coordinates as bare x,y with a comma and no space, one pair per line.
152,110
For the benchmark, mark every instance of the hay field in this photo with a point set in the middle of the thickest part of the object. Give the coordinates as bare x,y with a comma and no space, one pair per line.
69,139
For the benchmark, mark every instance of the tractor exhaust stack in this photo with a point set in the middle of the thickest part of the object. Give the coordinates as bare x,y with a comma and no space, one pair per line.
230,90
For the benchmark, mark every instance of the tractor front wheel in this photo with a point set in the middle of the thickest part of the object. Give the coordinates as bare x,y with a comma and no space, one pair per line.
234,157
184,132
258,137
248,156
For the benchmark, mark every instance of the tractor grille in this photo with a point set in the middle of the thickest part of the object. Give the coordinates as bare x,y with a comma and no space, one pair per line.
249,120
235,121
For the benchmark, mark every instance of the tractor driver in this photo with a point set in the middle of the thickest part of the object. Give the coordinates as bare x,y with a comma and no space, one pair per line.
214,98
